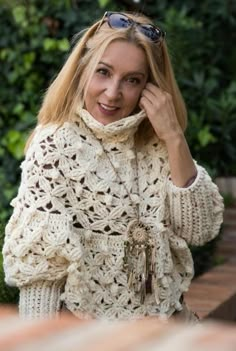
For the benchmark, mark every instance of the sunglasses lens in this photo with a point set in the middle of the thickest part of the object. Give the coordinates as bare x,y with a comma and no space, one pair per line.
118,21
151,32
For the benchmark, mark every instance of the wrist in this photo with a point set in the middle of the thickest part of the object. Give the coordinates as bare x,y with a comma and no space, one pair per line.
174,139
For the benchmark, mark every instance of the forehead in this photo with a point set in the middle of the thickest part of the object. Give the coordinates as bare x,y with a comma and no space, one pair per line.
125,56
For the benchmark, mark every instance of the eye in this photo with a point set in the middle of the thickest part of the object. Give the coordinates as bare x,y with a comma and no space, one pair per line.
133,80
102,71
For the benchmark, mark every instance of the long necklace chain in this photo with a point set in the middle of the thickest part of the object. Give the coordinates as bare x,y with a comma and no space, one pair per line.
139,251
135,206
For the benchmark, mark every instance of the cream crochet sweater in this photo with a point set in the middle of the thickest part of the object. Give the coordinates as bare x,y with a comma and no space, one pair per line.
65,238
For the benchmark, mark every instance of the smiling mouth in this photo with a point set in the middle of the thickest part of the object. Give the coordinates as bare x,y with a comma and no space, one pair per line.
108,108
109,111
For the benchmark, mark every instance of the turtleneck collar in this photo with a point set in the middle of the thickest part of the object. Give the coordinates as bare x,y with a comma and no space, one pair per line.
117,131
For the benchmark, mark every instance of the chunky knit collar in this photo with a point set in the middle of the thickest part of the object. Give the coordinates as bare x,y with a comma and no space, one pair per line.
118,131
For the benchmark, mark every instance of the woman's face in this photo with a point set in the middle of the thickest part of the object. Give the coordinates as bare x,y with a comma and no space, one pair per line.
119,78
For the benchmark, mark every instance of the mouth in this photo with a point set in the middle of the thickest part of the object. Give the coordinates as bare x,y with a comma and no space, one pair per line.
108,109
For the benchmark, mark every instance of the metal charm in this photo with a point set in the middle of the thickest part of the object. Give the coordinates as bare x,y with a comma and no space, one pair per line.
139,258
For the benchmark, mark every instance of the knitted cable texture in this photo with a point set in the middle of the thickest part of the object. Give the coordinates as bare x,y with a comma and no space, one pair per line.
71,214
40,300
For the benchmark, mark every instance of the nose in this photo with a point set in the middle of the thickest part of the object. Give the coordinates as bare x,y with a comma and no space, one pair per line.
113,89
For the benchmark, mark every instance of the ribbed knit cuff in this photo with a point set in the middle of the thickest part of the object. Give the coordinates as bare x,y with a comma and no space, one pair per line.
40,300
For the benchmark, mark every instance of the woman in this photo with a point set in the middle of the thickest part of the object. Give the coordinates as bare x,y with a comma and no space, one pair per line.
110,197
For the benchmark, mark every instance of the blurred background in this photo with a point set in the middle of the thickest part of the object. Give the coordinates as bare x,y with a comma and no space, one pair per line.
36,38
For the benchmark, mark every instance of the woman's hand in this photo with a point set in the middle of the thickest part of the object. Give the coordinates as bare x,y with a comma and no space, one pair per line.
160,110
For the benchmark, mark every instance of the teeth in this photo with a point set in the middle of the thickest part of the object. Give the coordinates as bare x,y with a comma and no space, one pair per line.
108,108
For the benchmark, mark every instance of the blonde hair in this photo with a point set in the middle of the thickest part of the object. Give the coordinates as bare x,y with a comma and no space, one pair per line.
69,87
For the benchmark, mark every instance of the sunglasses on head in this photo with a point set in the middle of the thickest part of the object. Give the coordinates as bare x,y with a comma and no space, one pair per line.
119,20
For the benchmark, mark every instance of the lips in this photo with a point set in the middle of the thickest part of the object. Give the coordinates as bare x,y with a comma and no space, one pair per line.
108,109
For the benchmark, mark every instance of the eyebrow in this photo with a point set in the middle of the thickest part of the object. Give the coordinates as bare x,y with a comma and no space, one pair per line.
110,66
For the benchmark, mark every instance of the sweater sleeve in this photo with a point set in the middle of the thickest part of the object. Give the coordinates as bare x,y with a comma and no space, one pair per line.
196,212
40,300
39,240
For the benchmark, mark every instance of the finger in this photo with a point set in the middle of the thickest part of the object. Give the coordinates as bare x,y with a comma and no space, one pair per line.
155,94
154,89
146,105
145,101
158,92
148,95
158,100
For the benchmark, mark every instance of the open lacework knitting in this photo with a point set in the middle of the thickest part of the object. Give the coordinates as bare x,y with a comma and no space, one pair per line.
70,218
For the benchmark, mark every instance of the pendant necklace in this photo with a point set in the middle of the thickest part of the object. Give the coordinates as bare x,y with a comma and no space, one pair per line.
139,249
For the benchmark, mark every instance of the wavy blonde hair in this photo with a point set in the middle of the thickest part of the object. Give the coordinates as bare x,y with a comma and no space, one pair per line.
69,88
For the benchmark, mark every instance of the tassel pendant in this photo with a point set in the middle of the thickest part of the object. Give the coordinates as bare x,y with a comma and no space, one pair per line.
130,280
143,290
139,259
152,260
126,255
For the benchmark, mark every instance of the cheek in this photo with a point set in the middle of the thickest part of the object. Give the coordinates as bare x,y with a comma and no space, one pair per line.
133,97
91,94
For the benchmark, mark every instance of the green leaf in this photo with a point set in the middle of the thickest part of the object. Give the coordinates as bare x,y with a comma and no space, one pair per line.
18,108
4,53
15,142
29,59
103,3
19,14
63,44
199,79
49,44
205,137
